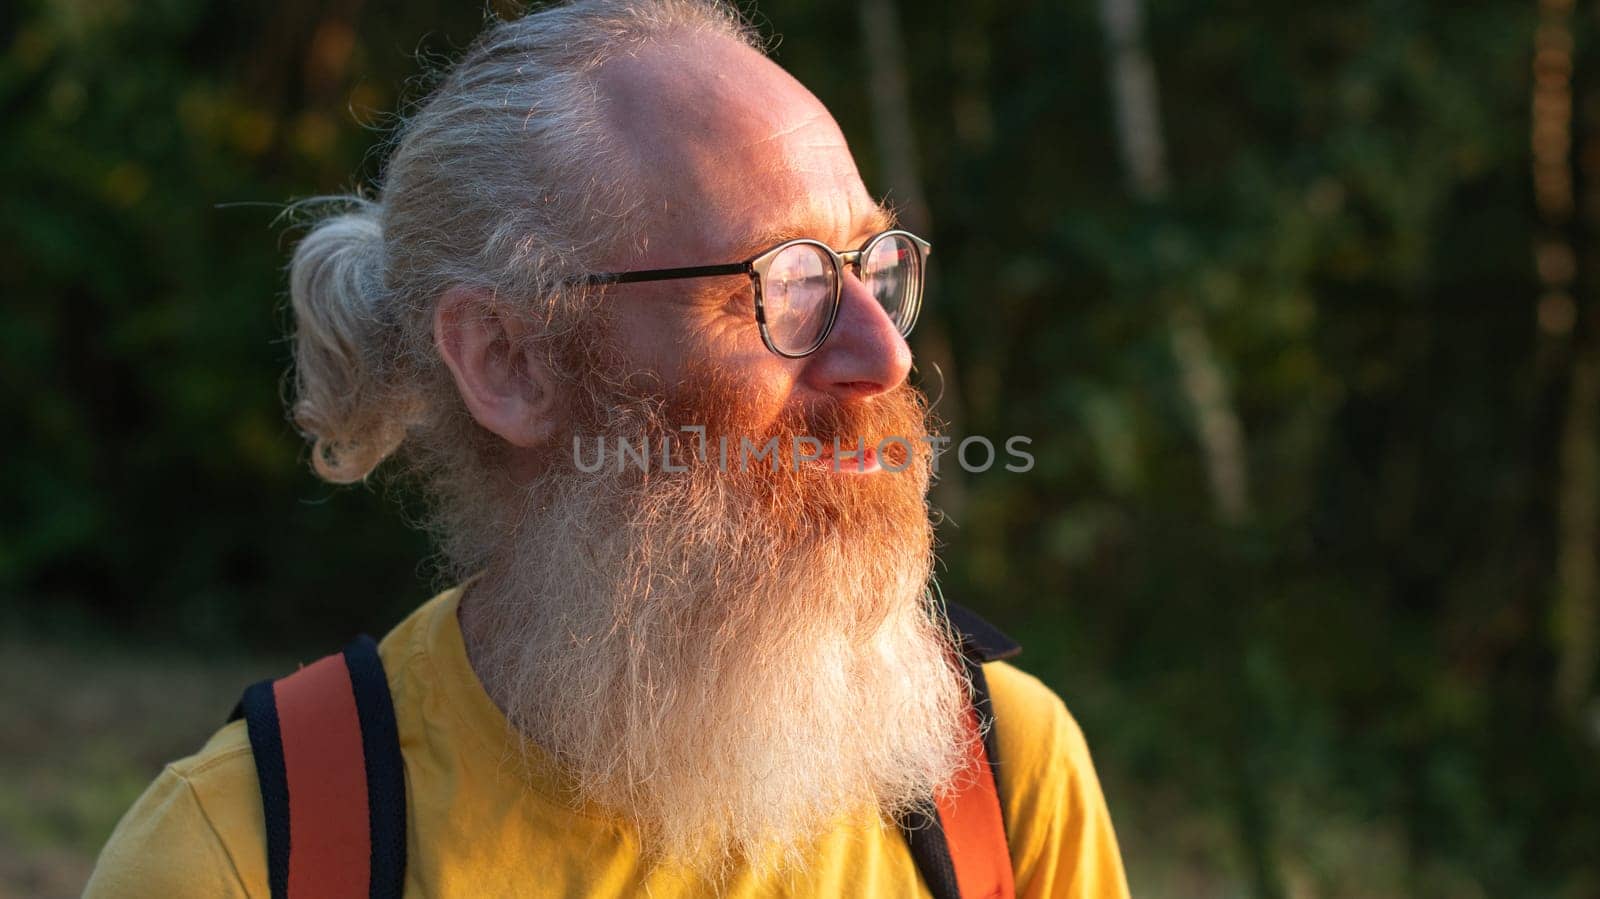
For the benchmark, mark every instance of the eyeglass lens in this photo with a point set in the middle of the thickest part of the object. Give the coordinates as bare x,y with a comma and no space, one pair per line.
797,296
890,271
799,289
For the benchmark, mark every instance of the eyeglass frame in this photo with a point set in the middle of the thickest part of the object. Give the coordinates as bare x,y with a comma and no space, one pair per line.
757,267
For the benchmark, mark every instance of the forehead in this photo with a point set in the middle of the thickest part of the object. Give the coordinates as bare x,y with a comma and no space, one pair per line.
731,151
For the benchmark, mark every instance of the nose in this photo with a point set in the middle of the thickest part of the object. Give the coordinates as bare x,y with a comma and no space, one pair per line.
864,355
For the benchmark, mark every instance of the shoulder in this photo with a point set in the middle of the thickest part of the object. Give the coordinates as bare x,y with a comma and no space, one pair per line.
199,829
1057,822
1033,728
196,830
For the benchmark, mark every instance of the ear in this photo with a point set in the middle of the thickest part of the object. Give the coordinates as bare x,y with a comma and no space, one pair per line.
506,387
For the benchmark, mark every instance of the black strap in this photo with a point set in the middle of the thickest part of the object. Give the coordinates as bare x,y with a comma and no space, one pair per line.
259,710
386,776
983,642
980,642
385,770
979,638
929,849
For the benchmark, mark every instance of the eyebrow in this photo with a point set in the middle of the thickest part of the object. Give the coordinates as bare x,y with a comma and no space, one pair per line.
880,218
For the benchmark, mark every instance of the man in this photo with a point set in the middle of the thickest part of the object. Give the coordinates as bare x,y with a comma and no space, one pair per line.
702,673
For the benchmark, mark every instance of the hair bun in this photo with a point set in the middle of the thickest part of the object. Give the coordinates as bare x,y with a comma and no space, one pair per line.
336,288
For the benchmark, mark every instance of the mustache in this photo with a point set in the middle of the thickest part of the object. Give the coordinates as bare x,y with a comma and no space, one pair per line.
612,396
723,411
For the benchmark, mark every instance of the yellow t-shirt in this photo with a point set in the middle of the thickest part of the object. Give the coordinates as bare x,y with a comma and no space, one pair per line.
477,826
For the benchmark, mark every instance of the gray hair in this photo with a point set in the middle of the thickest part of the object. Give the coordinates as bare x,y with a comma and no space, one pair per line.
505,179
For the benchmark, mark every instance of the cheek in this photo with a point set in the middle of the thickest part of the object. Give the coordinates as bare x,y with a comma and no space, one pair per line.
772,390
761,384
737,393
666,333
730,352
700,348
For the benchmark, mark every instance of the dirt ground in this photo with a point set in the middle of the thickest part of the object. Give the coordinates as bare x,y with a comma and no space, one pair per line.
83,730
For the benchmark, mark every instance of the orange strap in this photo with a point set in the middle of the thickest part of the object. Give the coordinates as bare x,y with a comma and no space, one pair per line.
327,780
333,794
325,736
975,832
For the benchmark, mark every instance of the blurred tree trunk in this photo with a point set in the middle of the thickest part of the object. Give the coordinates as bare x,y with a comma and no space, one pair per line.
901,175
1571,327
1138,114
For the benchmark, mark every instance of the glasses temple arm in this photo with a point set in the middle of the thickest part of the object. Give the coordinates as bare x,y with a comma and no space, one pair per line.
668,274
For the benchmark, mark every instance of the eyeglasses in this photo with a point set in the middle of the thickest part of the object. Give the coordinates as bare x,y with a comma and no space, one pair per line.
799,283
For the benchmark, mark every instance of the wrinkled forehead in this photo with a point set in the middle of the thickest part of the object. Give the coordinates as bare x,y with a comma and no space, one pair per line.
730,149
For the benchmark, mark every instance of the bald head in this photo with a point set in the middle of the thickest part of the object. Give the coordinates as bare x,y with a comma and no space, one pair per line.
730,151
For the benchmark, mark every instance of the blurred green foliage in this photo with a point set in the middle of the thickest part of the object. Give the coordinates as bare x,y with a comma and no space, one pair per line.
1349,694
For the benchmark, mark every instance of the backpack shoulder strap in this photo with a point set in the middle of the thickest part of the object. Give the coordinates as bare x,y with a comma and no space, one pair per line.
333,788
959,839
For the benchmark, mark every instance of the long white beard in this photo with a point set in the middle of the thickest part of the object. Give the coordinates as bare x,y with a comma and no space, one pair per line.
730,666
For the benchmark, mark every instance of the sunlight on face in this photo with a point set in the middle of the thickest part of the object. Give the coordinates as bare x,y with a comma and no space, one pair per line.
736,156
